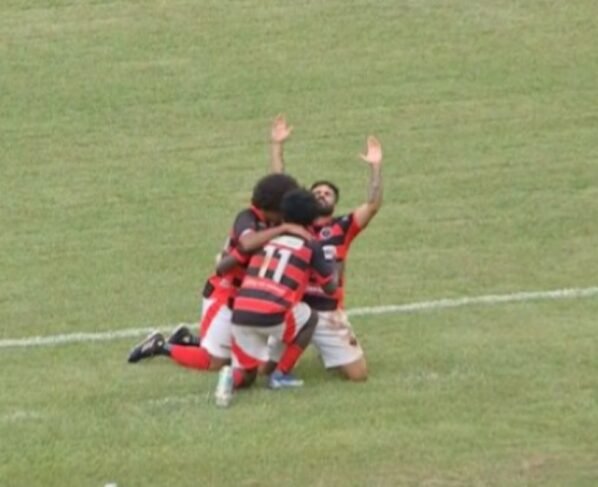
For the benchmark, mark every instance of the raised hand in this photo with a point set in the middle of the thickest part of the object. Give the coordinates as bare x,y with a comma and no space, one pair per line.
373,154
280,130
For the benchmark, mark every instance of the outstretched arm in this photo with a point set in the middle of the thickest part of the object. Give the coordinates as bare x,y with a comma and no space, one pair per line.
252,241
373,156
279,133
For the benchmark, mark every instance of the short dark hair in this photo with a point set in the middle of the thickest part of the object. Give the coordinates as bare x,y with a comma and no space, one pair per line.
331,185
299,206
268,192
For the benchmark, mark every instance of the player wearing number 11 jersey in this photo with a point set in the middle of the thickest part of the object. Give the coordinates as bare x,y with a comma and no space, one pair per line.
268,302
251,229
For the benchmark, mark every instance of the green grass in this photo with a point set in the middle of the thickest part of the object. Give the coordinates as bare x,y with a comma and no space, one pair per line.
133,131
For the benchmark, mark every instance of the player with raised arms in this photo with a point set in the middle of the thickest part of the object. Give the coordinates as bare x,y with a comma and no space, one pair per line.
334,337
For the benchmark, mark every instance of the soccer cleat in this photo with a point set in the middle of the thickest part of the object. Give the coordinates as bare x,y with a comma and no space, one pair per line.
182,336
149,347
278,380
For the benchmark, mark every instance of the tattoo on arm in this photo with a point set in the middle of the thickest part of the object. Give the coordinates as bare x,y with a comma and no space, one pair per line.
375,186
276,157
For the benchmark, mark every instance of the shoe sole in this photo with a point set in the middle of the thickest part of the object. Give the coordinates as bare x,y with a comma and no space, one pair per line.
285,386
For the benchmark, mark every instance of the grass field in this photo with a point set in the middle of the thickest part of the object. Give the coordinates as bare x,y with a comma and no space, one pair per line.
133,131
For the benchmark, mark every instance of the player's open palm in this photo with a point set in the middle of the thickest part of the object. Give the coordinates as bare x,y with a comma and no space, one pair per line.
281,131
373,154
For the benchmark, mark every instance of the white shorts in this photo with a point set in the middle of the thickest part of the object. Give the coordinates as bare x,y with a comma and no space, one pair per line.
250,343
333,338
215,327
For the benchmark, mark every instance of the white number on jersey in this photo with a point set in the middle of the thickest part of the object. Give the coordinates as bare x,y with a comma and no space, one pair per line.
283,256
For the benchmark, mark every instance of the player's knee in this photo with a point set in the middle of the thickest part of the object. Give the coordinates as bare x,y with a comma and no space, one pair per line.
357,376
216,363
267,368
356,372
249,377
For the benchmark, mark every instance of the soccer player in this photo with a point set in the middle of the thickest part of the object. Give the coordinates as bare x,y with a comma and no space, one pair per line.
268,303
252,228
334,337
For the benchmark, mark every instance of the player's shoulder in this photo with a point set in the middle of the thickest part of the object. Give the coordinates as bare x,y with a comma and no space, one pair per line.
334,221
291,241
314,245
246,213
344,221
346,218
251,215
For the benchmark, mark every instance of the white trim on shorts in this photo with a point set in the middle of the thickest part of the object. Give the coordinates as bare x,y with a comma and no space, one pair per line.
335,339
218,337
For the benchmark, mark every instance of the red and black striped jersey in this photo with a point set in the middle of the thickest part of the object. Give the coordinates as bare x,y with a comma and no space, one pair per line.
224,287
335,236
276,279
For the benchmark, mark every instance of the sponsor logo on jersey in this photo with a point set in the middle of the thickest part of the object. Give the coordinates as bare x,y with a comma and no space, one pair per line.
325,233
329,252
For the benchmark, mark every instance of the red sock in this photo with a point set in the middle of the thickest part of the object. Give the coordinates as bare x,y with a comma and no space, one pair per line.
193,357
289,358
238,378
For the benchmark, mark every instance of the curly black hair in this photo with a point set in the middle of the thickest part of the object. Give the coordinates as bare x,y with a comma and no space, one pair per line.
299,206
268,192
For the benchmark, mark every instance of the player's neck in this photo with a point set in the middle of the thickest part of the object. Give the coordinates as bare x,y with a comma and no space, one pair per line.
322,221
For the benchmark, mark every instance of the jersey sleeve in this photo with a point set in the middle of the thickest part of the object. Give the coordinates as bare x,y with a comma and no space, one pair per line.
323,270
351,228
245,223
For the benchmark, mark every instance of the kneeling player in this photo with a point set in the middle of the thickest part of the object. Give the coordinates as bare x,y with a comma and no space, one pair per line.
268,303
334,337
252,228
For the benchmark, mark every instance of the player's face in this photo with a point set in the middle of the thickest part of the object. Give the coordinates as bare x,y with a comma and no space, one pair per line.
273,217
326,199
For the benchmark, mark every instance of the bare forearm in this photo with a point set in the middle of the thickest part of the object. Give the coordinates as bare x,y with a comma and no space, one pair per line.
364,213
373,157
276,157
375,186
255,240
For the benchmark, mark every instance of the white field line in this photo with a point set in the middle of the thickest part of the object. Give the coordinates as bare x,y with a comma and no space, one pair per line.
571,293
170,401
467,301
20,415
